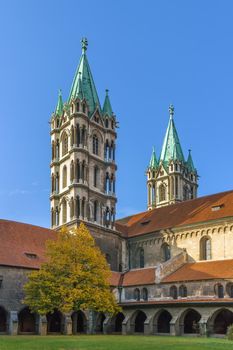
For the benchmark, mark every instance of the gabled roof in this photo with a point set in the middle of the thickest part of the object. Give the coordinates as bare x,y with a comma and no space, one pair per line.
189,163
84,82
177,215
203,270
171,149
23,245
59,108
153,161
107,108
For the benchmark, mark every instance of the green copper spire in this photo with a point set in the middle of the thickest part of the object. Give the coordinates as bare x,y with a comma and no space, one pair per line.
107,108
59,108
189,163
83,84
171,149
153,161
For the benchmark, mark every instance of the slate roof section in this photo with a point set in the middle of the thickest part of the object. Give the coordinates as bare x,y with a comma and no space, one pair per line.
177,215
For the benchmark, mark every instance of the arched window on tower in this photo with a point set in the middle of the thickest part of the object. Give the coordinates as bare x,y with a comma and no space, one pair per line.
72,171
166,252
78,206
95,145
205,248
72,136
106,123
57,150
64,176
95,211
83,136
64,143
71,208
162,193
57,217
64,211
96,176
106,150
78,135
83,211
185,193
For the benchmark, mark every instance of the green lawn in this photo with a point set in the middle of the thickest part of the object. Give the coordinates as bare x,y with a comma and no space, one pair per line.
111,342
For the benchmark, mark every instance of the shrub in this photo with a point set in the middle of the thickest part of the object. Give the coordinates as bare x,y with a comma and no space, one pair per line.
230,332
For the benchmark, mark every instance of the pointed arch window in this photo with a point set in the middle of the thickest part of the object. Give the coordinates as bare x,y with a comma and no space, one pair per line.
205,248
57,216
162,193
95,145
64,143
64,176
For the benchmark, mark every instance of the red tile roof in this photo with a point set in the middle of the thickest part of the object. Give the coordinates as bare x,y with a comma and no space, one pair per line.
204,270
139,277
176,215
23,245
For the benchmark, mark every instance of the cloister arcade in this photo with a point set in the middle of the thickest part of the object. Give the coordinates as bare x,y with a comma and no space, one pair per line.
173,321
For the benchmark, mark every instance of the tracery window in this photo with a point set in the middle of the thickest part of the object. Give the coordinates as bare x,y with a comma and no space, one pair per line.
95,144
141,258
162,193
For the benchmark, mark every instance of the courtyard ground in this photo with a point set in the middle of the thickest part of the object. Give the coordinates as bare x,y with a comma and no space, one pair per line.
110,342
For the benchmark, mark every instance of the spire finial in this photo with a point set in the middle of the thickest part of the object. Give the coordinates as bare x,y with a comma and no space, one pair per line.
84,44
106,90
171,111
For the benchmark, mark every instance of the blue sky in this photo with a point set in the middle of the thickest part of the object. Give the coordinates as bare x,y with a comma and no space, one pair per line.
149,54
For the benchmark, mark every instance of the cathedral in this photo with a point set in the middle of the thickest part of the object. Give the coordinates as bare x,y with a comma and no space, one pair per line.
172,265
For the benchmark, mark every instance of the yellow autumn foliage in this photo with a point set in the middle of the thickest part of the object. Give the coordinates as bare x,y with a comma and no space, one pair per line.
75,276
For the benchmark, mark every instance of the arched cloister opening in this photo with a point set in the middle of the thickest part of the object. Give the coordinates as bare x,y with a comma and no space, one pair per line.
139,322
119,318
100,322
54,322
190,322
229,289
222,320
3,320
163,322
26,321
79,322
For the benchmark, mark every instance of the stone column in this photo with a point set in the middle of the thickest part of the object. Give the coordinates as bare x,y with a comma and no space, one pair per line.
67,324
42,325
107,325
148,326
91,322
13,323
126,327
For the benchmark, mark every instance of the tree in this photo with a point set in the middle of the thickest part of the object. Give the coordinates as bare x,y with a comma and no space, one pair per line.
75,276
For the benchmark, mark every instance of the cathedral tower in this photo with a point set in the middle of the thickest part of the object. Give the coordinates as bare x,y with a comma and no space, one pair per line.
83,140
171,179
